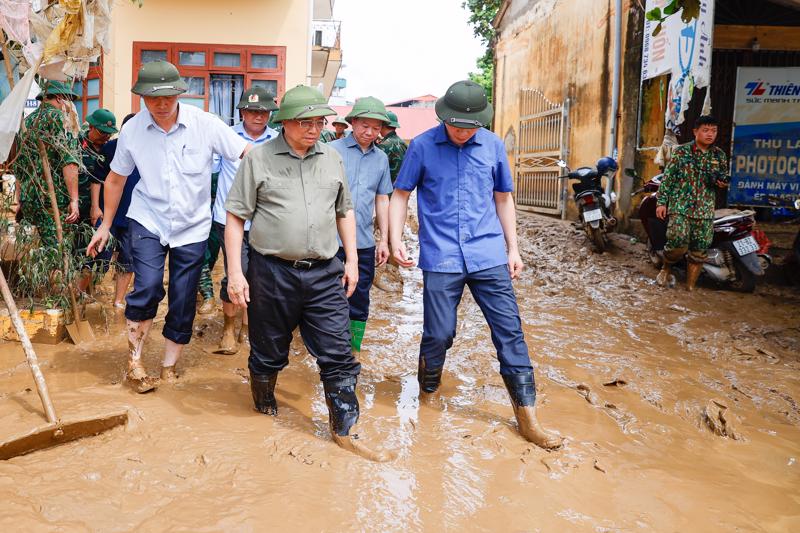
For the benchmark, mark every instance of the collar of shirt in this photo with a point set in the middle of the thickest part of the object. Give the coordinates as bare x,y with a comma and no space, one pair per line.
182,120
441,137
351,142
280,146
267,134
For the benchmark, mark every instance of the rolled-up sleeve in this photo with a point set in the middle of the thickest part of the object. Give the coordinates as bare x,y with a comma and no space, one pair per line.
503,182
227,143
243,195
343,201
411,170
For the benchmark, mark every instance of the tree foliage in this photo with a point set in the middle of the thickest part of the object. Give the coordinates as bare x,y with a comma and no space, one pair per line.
482,13
691,10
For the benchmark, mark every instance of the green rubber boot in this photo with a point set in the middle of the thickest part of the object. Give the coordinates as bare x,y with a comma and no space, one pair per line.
357,328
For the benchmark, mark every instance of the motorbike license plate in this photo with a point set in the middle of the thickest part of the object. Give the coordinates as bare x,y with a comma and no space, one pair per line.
746,246
591,216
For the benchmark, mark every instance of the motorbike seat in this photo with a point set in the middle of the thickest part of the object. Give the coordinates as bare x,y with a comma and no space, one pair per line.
583,173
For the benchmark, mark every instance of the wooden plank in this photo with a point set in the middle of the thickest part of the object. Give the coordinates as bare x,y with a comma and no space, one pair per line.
769,37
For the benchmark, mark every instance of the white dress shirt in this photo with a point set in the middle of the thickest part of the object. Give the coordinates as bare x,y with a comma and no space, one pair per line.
171,199
227,172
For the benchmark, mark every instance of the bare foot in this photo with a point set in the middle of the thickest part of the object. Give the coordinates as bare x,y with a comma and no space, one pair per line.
530,428
353,444
168,374
139,380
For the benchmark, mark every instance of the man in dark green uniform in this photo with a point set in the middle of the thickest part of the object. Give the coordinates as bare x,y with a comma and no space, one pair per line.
393,145
687,194
47,124
339,125
102,125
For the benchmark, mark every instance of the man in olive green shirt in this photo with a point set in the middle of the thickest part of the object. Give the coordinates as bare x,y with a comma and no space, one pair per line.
294,190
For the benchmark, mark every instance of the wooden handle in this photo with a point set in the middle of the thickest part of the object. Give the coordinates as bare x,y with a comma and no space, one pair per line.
30,355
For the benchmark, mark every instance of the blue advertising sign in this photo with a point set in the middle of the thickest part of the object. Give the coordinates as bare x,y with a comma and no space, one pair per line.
765,160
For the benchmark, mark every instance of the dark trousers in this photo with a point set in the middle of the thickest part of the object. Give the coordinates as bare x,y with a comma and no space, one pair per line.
494,294
282,298
359,300
219,230
149,258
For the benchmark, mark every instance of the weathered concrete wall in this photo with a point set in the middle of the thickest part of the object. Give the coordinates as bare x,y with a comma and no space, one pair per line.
565,49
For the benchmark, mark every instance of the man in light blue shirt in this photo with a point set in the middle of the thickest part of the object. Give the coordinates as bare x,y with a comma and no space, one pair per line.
255,107
467,237
367,169
172,146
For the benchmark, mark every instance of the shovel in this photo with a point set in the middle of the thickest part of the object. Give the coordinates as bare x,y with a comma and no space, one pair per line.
55,432
79,329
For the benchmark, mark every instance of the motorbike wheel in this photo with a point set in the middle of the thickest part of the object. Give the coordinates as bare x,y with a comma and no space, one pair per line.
598,238
745,280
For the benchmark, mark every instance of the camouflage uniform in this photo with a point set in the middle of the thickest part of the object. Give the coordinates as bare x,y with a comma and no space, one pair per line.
395,148
688,190
327,136
206,284
47,124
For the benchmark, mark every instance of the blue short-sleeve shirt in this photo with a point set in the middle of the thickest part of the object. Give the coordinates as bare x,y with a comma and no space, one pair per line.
367,176
458,222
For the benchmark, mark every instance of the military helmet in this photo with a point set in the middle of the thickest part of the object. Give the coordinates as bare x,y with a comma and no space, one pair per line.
465,105
56,88
340,120
103,120
367,107
302,102
159,78
393,123
257,99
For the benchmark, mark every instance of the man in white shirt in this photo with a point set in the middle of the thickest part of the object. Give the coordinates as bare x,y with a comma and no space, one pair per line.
172,146
255,106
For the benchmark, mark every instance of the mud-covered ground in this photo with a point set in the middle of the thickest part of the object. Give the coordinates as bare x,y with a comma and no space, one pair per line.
681,413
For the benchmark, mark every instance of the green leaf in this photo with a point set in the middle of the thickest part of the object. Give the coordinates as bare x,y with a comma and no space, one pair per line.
654,14
672,8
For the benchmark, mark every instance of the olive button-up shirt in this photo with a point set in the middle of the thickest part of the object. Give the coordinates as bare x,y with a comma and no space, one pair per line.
293,202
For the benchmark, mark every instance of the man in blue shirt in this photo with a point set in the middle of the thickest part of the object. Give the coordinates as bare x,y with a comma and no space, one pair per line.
467,236
255,107
369,178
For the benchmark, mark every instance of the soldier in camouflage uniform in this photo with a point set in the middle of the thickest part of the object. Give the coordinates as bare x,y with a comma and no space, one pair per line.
340,126
687,194
47,124
393,145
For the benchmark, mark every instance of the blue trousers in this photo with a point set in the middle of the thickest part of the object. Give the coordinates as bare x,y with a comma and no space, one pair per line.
359,300
149,257
494,294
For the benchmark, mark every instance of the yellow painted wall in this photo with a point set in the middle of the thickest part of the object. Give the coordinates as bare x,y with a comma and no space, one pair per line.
563,48
242,22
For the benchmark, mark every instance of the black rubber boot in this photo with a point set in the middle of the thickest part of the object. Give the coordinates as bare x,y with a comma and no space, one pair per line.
522,390
263,387
429,378
342,405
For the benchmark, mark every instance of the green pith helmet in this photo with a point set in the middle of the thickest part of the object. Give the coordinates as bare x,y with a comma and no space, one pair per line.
159,78
56,88
340,120
103,120
302,102
257,99
392,120
465,105
367,107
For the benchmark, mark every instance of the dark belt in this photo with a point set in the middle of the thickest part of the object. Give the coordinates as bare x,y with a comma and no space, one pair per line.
300,264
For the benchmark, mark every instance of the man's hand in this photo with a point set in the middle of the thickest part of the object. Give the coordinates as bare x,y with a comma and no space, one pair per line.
350,277
382,253
515,264
98,242
401,256
95,214
74,213
238,289
722,184
661,212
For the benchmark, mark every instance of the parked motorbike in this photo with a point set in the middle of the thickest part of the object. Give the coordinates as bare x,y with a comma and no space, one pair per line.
594,205
738,254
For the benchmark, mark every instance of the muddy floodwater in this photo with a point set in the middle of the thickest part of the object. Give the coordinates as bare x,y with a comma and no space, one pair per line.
680,410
